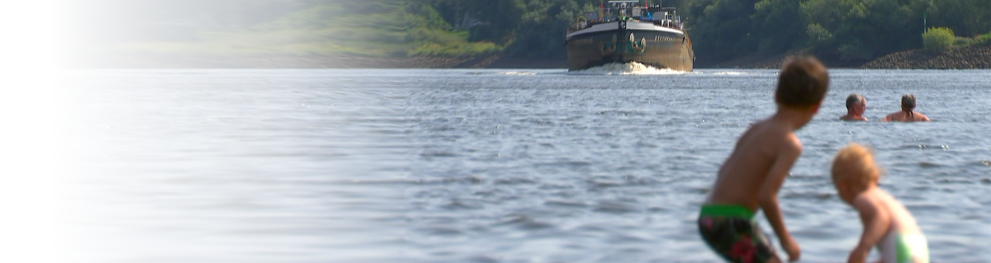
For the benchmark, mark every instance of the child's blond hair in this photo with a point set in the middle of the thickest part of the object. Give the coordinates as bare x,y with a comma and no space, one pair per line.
861,160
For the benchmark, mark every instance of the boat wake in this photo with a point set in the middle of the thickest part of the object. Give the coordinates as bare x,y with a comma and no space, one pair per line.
730,73
517,73
631,68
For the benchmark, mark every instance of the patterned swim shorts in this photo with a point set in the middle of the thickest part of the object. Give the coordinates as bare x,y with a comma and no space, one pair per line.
731,231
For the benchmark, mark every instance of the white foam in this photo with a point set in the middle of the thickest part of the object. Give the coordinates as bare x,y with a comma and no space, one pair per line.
630,68
731,73
517,73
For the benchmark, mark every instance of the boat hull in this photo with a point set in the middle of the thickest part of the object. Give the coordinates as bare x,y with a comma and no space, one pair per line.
630,41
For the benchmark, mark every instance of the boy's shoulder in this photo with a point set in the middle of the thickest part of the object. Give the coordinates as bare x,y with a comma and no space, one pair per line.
768,140
771,131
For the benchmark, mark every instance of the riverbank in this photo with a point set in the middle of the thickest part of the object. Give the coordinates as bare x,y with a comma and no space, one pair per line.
108,60
973,57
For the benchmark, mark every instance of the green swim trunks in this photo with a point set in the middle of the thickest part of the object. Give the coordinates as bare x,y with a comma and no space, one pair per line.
903,248
731,231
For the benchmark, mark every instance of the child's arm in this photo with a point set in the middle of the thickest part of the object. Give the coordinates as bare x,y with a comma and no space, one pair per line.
876,222
769,194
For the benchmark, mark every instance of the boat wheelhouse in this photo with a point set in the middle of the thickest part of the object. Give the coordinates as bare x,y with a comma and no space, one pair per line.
626,31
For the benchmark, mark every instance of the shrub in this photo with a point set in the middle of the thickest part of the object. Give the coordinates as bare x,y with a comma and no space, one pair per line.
984,39
963,41
938,38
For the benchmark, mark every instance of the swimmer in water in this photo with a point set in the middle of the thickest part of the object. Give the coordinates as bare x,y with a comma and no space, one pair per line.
907,114
749,179
888,225
855,107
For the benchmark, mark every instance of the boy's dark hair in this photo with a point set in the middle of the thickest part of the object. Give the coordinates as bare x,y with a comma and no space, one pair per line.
908,101
854,98
802,82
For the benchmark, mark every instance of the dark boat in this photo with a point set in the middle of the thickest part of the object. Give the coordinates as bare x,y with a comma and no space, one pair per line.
624,31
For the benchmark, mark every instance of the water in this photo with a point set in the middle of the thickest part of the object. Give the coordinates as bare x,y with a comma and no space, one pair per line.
493,165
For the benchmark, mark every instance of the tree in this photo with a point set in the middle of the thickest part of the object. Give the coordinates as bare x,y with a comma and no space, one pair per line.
723,30
849,30
938,38
779,25
861,30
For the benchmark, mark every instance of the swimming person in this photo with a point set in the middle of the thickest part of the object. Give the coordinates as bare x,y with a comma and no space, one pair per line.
750,178
855,107
907,114
887,223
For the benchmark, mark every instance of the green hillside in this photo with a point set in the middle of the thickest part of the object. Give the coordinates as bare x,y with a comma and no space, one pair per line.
365,28
371,28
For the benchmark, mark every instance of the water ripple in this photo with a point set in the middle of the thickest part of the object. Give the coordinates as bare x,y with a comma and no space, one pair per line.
483,165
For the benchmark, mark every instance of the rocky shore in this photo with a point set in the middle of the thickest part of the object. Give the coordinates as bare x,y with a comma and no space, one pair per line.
972,57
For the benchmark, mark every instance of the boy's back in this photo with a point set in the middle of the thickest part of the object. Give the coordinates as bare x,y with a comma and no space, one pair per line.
745,171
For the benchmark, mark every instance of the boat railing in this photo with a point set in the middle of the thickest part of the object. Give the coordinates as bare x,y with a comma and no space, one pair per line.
668,23
629,11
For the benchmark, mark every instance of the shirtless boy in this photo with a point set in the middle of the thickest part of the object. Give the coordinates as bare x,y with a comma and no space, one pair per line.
907,114
750,178
855,107
887,224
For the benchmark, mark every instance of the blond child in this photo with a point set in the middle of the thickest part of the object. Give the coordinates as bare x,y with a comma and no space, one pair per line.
749,179
887,223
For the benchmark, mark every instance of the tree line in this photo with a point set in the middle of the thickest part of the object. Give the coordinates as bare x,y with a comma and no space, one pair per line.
721,30
838,30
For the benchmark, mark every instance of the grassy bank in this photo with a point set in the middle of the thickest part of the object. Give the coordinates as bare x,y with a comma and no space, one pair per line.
370,29
369,33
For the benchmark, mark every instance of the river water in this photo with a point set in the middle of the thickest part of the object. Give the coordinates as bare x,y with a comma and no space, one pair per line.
485,165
